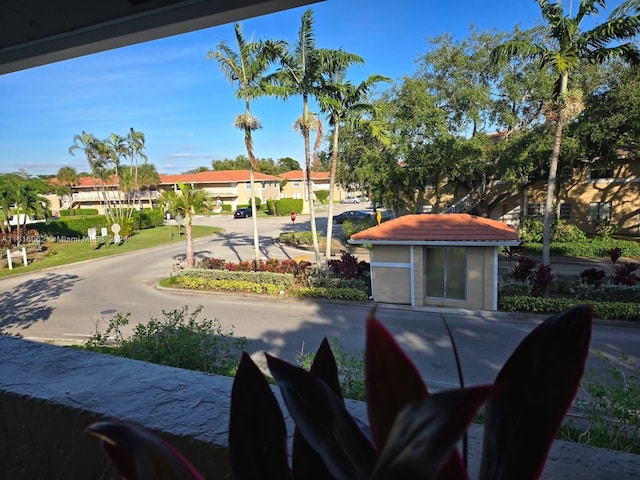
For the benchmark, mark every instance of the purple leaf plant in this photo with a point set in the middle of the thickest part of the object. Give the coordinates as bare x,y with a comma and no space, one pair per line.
412,433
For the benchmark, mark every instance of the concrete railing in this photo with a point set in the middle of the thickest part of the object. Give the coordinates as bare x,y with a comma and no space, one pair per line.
49,394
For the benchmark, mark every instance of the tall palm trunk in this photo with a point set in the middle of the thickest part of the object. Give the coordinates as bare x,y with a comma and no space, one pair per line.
332,183
252,161
307,160
551,181
191,260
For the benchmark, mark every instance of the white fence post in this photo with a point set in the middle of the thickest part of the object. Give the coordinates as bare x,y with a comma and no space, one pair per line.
9,259
24,256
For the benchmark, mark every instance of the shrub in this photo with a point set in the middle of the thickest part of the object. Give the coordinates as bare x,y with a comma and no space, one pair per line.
515,289
564,232
258,201
304,237
72,226
605,310
350,369
606,228
321,280
348,266
322,195
77,211
593,276
523,270
541,279
226,207
623,274
179,339
607,292
332,293
615,254
351,227
201,283
285,206
148,218
530,230
271,207
563,283
609,403
211,263
283,279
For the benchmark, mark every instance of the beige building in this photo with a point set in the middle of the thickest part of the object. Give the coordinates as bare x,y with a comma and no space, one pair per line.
442,260
232,187
295,186
590,196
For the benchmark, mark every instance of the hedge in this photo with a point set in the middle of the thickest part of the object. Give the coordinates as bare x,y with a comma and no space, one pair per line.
607,292
332,293
148,218
304,237
604,310
235,285
71,226
285,280
285,206
77,211
593,248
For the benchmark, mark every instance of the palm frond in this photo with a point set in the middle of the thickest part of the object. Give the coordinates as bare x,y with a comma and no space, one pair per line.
517,48
589,7
630,7
246,121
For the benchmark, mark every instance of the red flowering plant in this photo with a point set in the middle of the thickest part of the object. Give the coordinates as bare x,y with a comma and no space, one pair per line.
413,433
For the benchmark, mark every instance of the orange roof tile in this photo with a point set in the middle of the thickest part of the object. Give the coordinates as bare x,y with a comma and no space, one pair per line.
438,229
299,175
216,176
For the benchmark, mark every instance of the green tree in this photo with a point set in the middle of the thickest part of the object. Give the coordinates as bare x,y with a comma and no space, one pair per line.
67,178
244,69
301,73
566,48
26,194
148,177
344,102
287,164
186,201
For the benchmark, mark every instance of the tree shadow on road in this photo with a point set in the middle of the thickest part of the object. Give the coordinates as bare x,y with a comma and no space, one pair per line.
28,303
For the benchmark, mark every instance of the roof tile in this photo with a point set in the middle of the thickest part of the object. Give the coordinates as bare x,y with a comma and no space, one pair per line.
454,227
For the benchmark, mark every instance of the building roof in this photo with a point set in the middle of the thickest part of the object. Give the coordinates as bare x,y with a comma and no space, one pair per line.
448,229
299,175
217,176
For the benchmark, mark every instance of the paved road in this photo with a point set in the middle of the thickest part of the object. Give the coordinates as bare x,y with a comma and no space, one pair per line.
69,302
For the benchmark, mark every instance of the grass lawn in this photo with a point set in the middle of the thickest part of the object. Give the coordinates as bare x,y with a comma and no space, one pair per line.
64,253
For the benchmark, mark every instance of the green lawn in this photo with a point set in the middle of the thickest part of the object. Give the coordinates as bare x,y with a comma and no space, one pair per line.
64,253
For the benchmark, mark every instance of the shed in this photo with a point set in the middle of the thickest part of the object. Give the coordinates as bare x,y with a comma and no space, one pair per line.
442,260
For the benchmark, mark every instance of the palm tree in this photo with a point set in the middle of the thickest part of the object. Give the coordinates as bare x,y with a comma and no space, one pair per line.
148,177
245,68
26,195
569,46
345,102
300,73
186,201
67,178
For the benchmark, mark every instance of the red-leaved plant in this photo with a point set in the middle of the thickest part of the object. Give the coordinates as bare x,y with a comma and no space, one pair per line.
413,434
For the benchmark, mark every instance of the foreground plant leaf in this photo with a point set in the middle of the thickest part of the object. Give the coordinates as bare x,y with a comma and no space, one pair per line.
393,382
425,433
305,461
324,421
257,432
137,454
534,390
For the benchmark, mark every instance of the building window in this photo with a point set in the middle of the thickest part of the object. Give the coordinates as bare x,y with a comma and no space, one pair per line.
601,173
446,273
247,185
600,211
565,211
535,209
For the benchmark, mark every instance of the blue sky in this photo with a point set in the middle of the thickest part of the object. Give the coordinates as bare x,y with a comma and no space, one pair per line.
168,90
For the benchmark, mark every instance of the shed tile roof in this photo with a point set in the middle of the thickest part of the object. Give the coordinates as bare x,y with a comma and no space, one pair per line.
425,228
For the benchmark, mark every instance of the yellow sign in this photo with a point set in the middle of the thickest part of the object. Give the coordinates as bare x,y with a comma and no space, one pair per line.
379,217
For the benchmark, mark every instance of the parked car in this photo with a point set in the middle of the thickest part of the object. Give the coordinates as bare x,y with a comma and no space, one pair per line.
351,200
242,212
352,215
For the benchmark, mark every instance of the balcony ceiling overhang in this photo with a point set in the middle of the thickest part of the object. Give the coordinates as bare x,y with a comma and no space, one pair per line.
38,32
